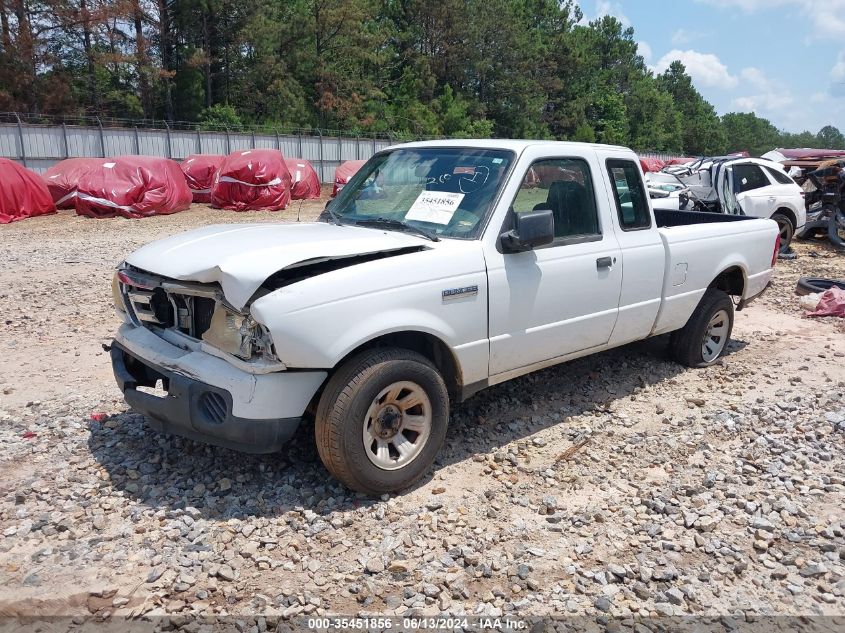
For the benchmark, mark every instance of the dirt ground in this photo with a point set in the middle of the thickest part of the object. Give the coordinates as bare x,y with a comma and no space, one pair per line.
617,484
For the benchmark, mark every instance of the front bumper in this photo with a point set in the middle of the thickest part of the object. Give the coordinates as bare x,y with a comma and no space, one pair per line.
207,399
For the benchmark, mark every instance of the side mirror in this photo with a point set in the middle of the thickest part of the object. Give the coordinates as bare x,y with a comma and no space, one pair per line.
533,229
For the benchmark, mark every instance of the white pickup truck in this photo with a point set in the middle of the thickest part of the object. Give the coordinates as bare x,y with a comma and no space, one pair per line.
442,268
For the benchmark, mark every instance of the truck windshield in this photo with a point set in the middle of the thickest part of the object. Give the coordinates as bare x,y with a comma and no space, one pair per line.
447,192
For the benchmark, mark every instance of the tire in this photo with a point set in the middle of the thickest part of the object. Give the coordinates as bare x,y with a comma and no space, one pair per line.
787,231
363,417
810,285
836,228
688,343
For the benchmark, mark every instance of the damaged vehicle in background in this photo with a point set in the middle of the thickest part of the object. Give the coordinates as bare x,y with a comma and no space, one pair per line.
821,175
668,192
442,268
745,186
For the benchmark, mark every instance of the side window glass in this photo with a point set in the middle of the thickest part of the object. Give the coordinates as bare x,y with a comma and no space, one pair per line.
565,186
631,202
780,177
749,177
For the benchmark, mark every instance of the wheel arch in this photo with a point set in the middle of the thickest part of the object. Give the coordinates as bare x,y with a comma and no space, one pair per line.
731,280
790,215
424,343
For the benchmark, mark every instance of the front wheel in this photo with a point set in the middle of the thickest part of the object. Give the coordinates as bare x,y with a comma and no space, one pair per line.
702,341
381,420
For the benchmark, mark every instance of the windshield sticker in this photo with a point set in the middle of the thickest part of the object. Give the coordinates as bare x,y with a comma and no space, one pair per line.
464,170
436,207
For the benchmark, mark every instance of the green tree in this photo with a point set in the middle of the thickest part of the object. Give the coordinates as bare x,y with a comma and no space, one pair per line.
799,139
703,133
219,117
831,138
655,123
746,131
610,118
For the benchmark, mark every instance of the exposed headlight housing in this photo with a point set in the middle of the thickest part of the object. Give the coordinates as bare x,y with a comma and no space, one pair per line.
231,332
238,334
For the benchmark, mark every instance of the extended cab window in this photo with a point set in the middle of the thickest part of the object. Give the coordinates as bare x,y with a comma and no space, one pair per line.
565,186
631,202
749,177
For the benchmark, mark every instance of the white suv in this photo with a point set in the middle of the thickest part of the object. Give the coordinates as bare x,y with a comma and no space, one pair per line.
747,186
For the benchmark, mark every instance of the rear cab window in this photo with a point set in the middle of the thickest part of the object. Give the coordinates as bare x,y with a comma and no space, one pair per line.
629,194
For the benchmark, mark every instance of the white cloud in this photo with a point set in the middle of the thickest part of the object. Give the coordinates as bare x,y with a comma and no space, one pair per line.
706,69
756,78
827,17
812,114
645,51
604,7
682,37
837,73
748,6
837,76
775,100
766,98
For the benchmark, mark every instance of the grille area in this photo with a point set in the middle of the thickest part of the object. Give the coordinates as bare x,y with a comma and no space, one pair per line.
140,301
213,407
153,301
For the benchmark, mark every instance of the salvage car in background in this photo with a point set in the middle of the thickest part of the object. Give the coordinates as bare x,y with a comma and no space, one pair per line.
667,191
825,202
746,186
442,268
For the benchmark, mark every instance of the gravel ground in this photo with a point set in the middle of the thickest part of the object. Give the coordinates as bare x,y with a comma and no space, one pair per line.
618,484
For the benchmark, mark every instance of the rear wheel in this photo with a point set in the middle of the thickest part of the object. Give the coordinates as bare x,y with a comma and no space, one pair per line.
786,230
381,420
702,341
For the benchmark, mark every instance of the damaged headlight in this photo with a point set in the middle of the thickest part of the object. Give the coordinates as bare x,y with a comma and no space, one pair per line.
236,334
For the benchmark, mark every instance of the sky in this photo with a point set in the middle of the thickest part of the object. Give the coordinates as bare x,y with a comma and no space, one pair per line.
783,60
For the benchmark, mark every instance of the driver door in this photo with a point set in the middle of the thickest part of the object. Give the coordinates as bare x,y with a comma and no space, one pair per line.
563,298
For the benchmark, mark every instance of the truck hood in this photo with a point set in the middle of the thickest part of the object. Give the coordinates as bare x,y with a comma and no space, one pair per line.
240,257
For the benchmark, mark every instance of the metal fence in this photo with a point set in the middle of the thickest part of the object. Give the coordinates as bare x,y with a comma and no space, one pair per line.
39,141
40,145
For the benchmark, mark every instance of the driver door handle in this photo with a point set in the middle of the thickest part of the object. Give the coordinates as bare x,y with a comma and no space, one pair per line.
604,262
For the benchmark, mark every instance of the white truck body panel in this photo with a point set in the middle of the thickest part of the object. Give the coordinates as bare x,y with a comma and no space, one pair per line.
318,321
240,257
516,312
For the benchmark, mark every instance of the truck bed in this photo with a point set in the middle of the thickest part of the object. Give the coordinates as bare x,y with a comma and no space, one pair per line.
673,217
698,247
